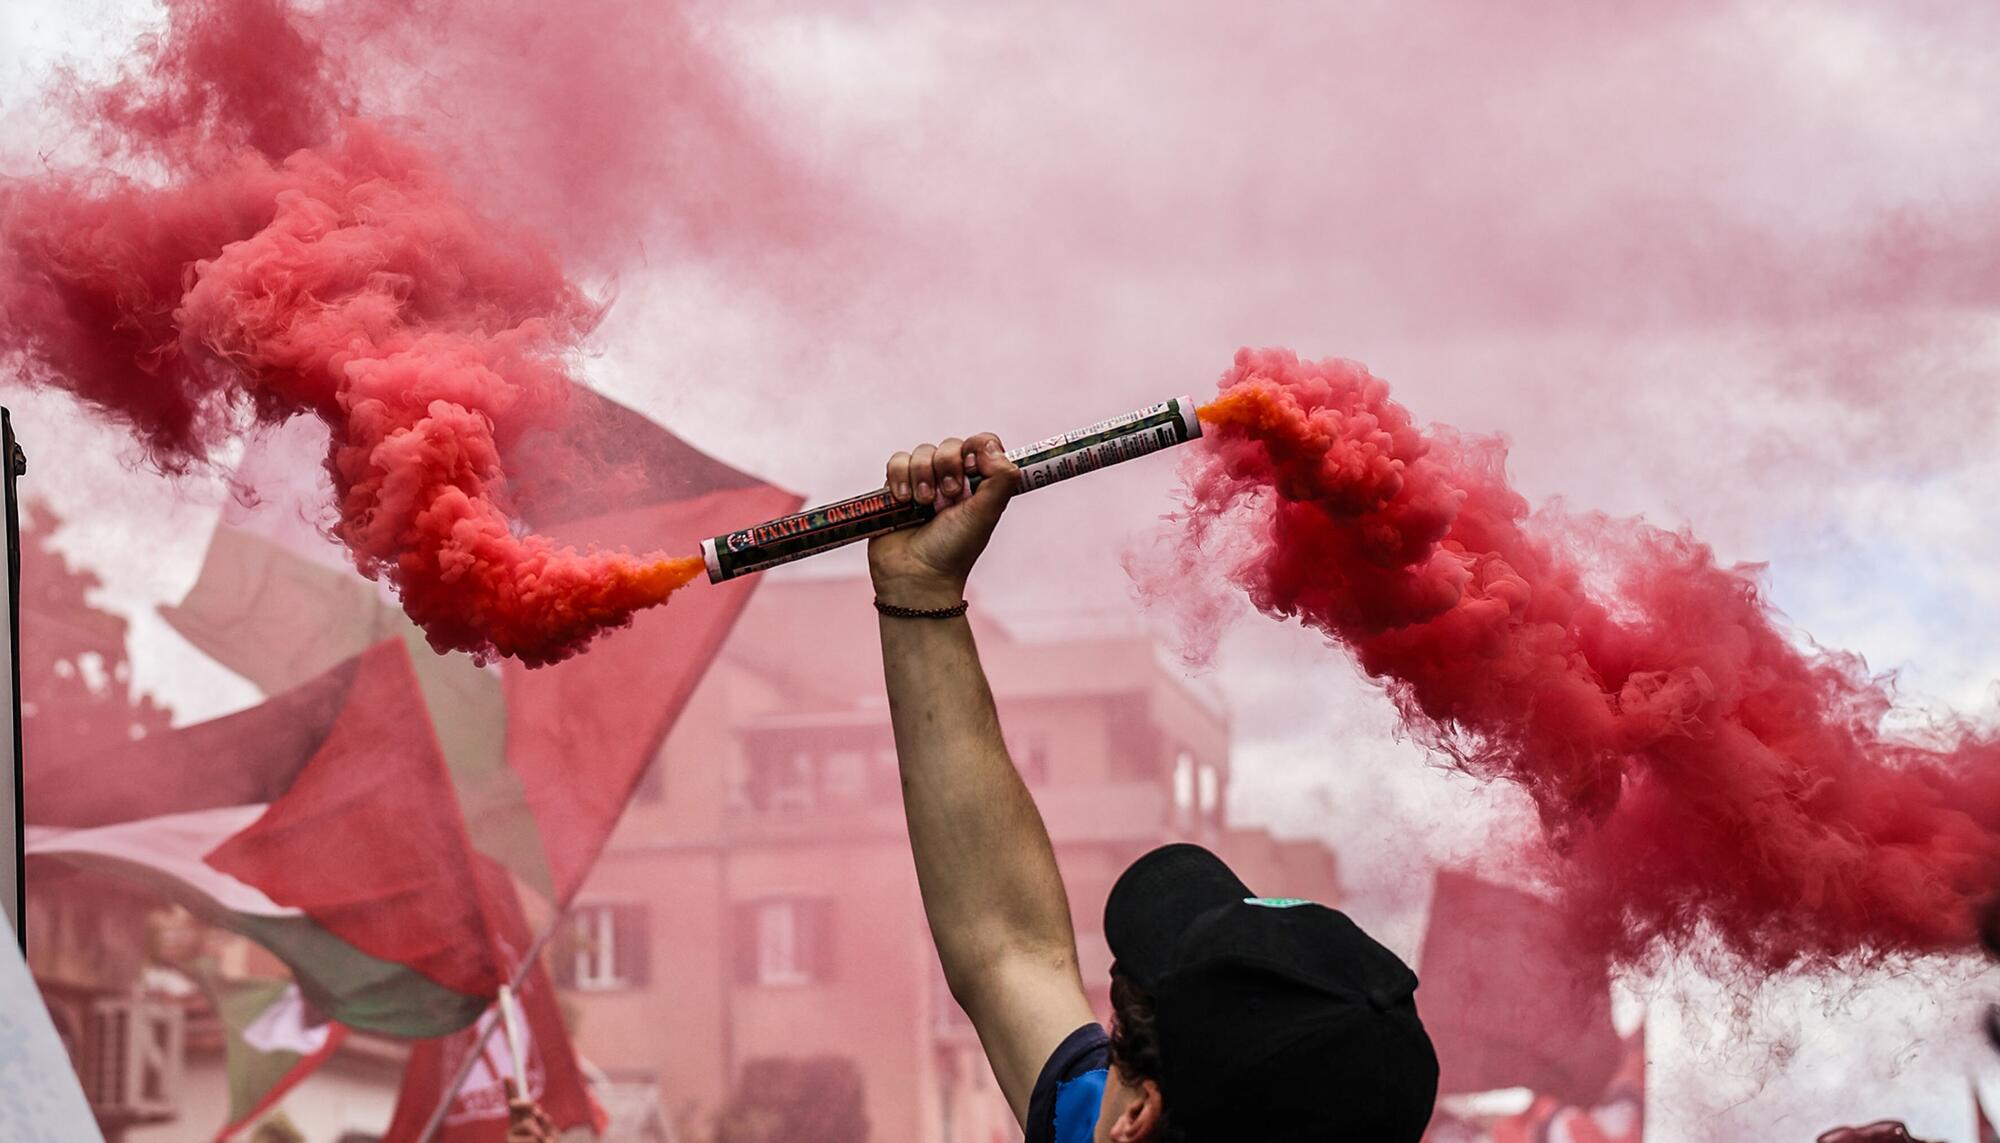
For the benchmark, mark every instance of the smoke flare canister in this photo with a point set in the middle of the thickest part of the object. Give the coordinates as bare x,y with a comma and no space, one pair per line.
1043,463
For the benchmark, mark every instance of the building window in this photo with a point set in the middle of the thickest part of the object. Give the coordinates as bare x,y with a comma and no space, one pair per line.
780,782
845,777
780,951
803,770
603,947
1138,751
784,941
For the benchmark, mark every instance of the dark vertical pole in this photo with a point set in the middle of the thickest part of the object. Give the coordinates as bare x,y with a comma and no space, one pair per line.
13,464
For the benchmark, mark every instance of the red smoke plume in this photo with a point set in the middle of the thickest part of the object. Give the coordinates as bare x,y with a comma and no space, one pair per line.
294,261
1700,771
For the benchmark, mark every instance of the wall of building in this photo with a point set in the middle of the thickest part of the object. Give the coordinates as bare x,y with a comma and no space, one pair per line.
778,785
347,1094
758,899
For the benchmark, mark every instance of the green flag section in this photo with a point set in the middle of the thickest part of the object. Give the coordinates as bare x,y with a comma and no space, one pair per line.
321,824
272,1040
542,761
165,854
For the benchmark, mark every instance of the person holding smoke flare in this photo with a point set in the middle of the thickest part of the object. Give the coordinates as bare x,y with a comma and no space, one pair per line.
1235,1017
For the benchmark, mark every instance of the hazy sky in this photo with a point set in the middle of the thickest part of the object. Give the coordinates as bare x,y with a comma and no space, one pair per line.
1729,266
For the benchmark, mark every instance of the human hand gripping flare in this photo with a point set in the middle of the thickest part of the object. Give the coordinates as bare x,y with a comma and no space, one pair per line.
926,568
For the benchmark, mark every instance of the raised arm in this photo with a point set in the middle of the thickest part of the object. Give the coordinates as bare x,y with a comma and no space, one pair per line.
995,902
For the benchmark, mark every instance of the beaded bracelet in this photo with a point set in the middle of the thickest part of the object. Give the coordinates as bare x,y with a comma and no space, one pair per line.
895,612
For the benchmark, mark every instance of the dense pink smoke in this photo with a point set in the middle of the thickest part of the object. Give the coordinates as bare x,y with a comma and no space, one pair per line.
1701,771
295,261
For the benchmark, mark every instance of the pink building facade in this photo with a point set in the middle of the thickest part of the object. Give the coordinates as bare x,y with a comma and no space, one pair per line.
758,901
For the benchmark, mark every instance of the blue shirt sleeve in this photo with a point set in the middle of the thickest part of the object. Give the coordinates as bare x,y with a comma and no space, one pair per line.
1063,1106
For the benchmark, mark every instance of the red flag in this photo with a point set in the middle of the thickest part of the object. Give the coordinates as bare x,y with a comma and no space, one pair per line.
542,797
321,824
1508,1000
581,733
545,760
1987,1134
368,840
1618,1116
478,1112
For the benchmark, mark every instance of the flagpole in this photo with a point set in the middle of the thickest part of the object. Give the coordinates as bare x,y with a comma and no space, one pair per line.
479,1041
510,1025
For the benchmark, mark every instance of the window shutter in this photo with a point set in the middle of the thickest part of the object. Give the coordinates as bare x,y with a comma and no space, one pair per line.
633,944
745,926
562,951
816,921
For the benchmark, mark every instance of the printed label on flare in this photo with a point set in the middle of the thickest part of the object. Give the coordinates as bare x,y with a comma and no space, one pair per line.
1105,443
1043,463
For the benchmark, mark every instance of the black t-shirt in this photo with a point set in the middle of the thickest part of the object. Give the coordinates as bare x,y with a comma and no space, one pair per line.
1063,1108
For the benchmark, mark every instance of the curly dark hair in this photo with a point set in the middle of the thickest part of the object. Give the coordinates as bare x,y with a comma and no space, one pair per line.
1135,1047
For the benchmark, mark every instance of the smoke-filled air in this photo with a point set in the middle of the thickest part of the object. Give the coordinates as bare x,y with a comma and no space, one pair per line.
294,259
1698,768
388,372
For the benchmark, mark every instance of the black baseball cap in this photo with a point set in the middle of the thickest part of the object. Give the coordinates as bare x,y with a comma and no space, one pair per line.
1278,1019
